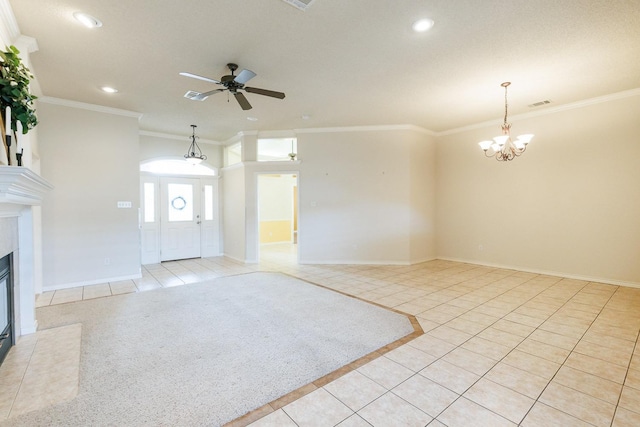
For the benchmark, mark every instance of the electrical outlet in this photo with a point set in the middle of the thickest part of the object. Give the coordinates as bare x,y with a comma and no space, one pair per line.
107,261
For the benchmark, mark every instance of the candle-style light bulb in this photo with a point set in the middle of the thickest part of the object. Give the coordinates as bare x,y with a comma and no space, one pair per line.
7,121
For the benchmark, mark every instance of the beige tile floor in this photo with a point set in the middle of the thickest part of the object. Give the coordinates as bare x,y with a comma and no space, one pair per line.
500,348
42,370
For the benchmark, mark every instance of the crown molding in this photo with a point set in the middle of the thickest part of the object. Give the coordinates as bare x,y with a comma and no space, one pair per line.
277,133
177,137
548,111
291,133
238,137
89,107
375,128
247,133
28,43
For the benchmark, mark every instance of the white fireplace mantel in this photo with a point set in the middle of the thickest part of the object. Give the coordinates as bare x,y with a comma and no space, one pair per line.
21,186
20,190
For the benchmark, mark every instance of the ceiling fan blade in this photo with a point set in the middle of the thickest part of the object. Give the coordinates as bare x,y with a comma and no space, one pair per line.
197,96
195,76
265,92
211,92
242,101
244,76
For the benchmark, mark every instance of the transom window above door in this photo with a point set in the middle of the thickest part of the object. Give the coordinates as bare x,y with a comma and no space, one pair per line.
277,149
176,167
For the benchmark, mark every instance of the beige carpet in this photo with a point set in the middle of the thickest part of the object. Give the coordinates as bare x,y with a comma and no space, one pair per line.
208,353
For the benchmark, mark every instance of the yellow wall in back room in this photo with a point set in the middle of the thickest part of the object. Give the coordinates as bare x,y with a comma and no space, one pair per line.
275,231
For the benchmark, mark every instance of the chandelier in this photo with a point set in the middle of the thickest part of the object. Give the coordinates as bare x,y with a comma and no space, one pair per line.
194,154
503,148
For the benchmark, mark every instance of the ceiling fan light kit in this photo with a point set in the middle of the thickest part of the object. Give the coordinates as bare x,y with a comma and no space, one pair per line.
422,25
232,83
503,148
87,20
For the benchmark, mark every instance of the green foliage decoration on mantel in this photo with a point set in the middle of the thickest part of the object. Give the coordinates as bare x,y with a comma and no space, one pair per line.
14,90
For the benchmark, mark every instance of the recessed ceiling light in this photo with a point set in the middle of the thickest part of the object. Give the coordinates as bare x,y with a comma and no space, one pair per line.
252,119
87,20
109,89
422,25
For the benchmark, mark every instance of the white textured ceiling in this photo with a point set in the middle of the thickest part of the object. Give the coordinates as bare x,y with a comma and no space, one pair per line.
342,62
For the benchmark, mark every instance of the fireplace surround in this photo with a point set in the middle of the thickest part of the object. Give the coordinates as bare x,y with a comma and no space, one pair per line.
21,193
7,333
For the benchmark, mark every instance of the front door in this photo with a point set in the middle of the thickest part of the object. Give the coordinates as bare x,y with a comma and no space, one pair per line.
180,211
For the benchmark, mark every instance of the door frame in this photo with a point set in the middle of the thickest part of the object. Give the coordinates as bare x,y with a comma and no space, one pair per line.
153,232
256,240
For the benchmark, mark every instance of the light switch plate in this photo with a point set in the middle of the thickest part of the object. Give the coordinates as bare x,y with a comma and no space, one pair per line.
123,205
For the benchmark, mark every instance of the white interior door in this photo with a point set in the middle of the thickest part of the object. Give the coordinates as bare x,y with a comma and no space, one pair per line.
180,211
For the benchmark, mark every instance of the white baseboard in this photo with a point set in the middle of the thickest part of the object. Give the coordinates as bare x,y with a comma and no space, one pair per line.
351,262
420,261
27,330
605,280
234,258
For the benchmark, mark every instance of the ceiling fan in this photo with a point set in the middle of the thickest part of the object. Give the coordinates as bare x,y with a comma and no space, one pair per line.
233,84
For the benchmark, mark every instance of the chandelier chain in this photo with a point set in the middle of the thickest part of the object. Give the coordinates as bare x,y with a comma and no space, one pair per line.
505,104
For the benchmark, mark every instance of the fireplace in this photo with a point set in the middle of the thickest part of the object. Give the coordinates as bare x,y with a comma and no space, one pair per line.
21,192
7,333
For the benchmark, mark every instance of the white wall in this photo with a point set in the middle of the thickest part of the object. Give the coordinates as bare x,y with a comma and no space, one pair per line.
276,197
152,147
422,205
92,160
233,212
357,201
570,205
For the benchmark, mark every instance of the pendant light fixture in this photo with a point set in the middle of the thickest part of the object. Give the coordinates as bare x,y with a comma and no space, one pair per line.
503,148
194,154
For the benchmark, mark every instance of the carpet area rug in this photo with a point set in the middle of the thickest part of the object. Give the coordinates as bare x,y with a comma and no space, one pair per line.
207,353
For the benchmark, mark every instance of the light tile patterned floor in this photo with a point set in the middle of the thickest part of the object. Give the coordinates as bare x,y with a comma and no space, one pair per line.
42,370
501,347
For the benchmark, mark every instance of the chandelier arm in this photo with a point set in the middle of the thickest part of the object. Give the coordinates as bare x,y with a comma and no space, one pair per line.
194,153
520,151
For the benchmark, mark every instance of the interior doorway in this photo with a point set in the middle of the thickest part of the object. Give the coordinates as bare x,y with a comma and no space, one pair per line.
277,216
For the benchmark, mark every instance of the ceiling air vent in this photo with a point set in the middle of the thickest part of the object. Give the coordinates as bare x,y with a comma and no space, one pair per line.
300,4
539,103
196,96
